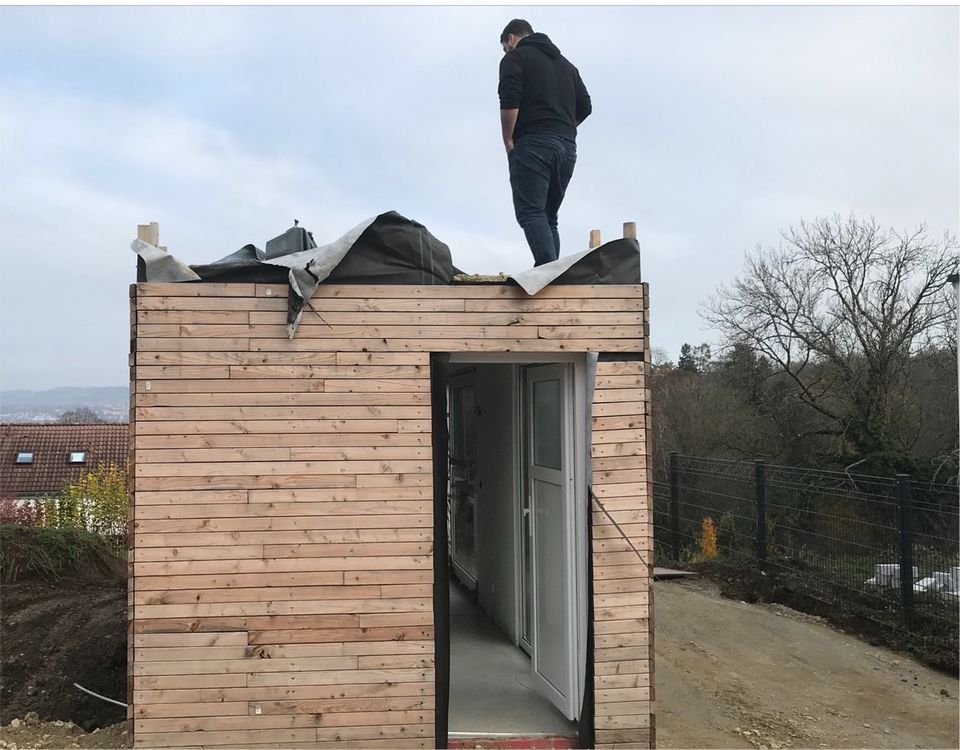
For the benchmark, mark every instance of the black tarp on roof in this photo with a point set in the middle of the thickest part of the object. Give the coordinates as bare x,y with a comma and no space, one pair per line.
391,249
395,250
388,249
616,262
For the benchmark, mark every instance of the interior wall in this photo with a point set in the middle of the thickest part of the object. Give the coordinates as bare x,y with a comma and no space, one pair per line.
496,459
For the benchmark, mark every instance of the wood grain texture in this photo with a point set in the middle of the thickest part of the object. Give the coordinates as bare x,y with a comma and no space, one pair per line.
281,520
622,557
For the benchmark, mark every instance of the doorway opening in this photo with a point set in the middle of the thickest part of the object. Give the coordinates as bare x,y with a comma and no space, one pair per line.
516,532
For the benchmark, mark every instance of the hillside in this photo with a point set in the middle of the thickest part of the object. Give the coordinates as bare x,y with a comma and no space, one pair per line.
110,402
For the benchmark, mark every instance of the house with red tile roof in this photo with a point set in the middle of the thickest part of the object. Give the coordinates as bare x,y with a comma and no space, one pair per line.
38,460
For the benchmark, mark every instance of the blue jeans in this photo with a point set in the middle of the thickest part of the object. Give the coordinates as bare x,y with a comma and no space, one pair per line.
540,170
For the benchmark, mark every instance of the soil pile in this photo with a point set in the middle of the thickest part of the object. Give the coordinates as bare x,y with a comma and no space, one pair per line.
729,674
873,617
63,620
24,734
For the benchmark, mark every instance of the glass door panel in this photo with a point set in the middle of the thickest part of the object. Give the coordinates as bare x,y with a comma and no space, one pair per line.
462,496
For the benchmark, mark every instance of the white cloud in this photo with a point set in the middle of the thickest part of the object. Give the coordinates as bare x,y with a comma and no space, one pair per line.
78,176
713,129
162,37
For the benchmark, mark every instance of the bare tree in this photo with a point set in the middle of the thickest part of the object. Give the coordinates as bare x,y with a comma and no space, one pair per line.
839,309
700,415
80,415
660,358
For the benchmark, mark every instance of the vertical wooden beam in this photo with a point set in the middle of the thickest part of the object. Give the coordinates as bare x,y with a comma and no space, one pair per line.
629,230
131,502
594,238
149,233
648,462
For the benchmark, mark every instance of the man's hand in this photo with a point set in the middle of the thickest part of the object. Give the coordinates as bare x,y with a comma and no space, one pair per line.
508,145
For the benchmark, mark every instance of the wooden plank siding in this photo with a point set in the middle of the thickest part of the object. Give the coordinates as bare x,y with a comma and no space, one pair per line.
281,561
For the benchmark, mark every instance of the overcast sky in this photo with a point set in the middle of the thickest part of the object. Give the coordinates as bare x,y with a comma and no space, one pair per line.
713,128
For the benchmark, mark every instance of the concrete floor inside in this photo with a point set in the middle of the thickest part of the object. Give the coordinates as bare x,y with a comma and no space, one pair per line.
491,690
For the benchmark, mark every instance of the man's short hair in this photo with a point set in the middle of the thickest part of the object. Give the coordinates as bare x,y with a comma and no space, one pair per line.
517,27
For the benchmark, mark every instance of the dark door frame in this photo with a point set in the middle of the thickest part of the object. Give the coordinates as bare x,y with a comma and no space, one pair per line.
439,375
439,370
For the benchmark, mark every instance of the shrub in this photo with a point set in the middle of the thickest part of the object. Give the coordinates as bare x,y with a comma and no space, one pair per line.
97,502
726,533
19,512
708,538
53,555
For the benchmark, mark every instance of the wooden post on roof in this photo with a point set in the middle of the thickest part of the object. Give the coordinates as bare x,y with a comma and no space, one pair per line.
149,233
629,230
594,238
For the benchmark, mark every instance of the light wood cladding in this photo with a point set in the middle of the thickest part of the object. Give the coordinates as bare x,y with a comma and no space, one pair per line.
281,563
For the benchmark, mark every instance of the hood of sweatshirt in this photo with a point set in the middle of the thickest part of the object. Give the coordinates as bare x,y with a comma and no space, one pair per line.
541,42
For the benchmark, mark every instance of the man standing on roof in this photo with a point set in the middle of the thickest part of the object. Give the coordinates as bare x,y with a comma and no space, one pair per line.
542,101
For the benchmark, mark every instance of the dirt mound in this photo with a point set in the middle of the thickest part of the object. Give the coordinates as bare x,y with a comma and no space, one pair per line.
59,734
874,618
734,675
63,620
59,556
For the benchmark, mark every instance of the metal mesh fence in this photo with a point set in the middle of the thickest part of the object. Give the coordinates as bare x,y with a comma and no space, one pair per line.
884,547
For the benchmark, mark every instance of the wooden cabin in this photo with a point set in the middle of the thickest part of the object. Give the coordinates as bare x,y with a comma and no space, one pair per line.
305,513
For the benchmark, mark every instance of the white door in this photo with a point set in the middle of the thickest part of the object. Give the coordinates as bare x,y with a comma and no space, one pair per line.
550,593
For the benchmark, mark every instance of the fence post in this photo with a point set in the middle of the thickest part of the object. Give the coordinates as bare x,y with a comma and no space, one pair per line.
760,481
675,505
904,523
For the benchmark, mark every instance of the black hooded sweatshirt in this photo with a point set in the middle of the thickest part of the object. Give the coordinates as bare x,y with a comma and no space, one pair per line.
536,79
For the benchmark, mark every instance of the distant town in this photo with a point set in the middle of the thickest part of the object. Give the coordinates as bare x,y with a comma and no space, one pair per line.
107,404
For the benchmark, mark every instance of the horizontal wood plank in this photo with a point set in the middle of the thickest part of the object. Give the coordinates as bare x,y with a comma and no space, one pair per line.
281,571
